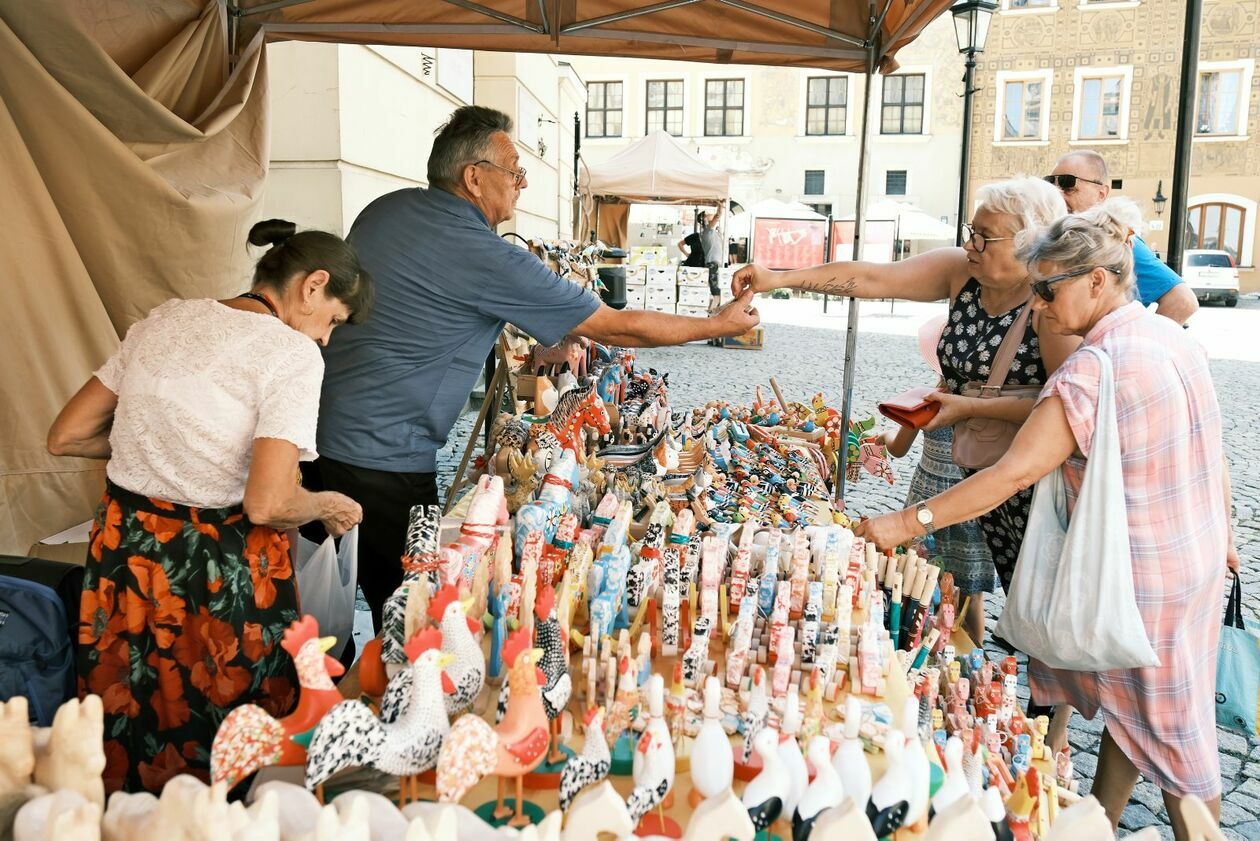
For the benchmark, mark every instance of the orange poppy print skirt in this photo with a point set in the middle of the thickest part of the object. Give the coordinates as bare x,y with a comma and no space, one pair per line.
182,615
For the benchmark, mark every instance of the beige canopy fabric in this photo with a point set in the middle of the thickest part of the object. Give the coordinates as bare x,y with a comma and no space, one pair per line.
832,34
656,169
131,167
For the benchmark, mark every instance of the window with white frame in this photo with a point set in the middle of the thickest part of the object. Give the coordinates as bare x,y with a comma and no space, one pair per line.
826,105
1023,107
1222,100
901,110
665,106
723,107
1101,107
603,109
895,182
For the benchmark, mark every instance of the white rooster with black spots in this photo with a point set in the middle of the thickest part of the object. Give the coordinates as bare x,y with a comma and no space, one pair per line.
468,668
589,767
351,736
654,757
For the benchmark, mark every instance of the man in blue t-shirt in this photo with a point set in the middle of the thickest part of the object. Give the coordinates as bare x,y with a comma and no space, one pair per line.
1083,179
446,284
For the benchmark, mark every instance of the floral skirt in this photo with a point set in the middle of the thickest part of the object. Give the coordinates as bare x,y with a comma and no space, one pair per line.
182,614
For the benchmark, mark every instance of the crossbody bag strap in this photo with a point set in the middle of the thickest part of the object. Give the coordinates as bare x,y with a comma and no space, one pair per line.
1006,353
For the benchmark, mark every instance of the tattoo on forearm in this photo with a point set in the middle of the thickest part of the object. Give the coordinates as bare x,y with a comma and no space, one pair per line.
834,286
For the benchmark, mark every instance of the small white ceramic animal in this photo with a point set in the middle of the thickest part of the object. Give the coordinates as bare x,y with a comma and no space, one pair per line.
916,765
826,791
766,793
713,772
954,787
17,756
71,754
790,751
384,819
333,825
850,759
597,810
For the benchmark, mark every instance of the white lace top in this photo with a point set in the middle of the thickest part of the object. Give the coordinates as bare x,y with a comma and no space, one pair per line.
197,382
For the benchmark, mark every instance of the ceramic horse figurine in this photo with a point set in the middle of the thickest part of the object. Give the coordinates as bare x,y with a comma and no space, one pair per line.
486,512
421,565
577,409
554,501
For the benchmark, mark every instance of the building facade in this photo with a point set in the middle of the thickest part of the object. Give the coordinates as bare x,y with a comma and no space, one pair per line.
1059,75
350,123
792,133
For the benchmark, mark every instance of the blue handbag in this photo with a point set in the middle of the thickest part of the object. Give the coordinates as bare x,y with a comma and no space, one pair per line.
1237,670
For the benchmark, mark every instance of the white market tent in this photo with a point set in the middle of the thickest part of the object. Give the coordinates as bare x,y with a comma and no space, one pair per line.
911,221
655,170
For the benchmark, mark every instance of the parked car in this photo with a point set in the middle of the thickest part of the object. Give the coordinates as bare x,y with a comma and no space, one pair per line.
1212,275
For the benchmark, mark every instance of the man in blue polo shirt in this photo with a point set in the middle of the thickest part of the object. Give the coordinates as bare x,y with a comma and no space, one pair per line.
446,284
1082,177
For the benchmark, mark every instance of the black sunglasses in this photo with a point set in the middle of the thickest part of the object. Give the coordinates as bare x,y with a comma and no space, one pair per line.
1067,183
1042,287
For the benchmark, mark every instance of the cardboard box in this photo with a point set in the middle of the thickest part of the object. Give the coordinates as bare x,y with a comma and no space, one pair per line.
70,553
754,339
693,276
694,296
636,297
662,295
693,311
659,277
649,255
669,308
636,275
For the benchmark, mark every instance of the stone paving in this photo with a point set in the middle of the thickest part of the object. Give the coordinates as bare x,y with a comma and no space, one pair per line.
805,360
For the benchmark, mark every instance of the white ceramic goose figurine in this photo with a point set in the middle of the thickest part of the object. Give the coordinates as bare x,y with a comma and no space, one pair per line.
713,773
916,764
825,792
790,751
955,786
765,793
890,797
850,760
755,715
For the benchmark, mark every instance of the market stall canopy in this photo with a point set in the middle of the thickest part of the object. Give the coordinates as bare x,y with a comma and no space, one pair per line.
740,224
912,222
831,34
656,169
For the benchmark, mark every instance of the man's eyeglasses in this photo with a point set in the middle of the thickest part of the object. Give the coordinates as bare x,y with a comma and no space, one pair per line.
1067,183
979,240
1042,287
518,175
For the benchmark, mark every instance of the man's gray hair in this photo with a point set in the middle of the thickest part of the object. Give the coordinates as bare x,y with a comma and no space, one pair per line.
462,140
1032,201
1092,160
1099,236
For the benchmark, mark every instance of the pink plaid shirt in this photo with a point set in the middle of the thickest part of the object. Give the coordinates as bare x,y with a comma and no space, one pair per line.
1163,718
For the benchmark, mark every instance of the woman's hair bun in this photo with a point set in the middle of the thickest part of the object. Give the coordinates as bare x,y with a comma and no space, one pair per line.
271,232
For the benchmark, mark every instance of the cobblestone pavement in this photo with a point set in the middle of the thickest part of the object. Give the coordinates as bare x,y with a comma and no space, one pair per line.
805,360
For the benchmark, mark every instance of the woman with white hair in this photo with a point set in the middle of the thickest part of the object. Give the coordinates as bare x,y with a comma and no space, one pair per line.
987,288
1159,721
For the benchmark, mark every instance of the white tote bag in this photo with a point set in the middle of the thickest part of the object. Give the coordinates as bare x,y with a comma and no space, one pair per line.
1071,603
326,581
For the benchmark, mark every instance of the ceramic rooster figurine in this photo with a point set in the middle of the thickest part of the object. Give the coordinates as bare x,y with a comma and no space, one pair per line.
468,668
249,738
592,765
555,664
350,735
654,758
513,748
625,707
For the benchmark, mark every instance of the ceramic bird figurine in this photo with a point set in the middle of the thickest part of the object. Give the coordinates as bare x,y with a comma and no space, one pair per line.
654,758
790,751
764,795
916,765
625,706
589,767
890,797
850,759
756,714
350,735
249,738
550,637
955,786
513,748
467,670
714,767
825,792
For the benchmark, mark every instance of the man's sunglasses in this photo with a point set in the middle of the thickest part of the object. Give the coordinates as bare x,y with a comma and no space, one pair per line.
1042,287
1067,183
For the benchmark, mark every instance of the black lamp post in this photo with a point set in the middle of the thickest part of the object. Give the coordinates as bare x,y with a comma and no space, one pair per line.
1160,199
971,28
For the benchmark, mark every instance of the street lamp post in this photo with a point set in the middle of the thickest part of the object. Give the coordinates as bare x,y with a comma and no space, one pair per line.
971,28
1159,199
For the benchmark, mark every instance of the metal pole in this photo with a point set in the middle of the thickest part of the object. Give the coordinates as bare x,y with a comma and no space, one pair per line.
964,165
577,148
1185,134
850,336
827,254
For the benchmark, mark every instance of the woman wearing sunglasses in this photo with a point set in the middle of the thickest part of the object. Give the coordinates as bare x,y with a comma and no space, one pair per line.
1159,721
987,288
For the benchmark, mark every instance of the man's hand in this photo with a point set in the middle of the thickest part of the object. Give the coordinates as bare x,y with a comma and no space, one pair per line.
754,277
737,317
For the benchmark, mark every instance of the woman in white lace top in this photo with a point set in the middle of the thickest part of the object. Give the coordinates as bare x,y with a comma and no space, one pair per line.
204,413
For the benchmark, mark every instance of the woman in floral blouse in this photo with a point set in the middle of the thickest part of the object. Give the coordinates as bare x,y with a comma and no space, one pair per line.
203,413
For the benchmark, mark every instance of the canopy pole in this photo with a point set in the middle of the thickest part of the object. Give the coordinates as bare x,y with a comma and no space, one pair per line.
850,335
1185,136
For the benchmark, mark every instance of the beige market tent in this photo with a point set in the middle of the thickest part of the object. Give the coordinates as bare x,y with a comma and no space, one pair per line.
134,140
658,170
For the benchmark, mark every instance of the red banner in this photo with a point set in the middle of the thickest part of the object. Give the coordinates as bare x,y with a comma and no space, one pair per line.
877,240
789,243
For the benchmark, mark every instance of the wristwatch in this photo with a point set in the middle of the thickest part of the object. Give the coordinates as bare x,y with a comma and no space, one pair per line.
924,515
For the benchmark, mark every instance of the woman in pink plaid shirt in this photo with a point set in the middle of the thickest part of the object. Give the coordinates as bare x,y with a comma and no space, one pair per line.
1160,722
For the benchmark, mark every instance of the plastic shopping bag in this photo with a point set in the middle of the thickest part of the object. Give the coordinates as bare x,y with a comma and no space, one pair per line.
1237,670
326,578
1071,604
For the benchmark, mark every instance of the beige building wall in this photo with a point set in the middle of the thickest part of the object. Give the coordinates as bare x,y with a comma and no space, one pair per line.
1139,42
770,158
350,123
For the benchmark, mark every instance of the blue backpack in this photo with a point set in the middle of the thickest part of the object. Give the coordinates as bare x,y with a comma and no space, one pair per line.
37,655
